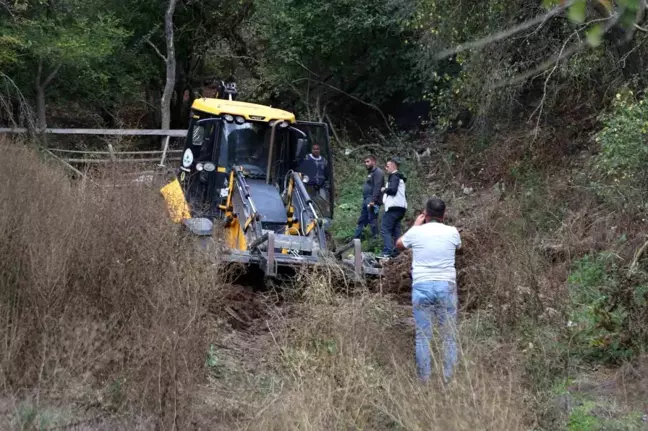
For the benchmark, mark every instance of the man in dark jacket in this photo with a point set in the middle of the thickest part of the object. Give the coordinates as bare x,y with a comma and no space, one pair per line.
395,207
315,167
371,198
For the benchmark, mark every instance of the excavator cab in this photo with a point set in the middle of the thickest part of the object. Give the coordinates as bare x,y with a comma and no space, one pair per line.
249,169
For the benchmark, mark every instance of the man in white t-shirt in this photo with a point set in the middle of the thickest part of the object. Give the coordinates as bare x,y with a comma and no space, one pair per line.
434,285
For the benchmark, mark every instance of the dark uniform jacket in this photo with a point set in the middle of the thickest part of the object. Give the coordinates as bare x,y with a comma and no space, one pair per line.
371,187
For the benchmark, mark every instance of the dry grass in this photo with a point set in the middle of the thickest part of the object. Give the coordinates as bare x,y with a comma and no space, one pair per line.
348,363
102,302
352,367
108,313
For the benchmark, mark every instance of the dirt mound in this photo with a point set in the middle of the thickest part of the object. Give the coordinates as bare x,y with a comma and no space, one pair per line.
240,307
396,280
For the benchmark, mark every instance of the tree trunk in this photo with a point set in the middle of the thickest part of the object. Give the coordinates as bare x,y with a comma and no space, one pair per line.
170,66
41,120
41,85
177,105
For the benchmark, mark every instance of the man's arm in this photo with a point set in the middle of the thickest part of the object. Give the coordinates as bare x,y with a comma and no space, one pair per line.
392,185
407,239
399,243
458,244
326,171
378,181
304,167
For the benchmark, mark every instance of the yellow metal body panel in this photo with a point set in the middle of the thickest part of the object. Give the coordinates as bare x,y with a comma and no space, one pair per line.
175,200
250,111
234,236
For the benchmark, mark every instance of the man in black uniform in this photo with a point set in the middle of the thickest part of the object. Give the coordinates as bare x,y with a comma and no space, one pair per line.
315,170
371,198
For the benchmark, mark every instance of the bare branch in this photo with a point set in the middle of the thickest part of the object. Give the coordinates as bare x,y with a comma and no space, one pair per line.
639,17
8,7
236,57
51,75
642,29
562,55
541,19
544,92
636,47
541,68
156,50
25,111
371,105
306,68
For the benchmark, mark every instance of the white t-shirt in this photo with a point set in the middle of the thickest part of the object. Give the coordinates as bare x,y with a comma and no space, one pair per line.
433,247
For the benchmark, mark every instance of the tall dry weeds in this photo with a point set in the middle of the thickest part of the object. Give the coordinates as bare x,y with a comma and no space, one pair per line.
102,301
348,363
104,305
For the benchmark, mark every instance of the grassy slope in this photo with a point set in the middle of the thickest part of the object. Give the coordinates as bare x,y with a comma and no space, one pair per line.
109,320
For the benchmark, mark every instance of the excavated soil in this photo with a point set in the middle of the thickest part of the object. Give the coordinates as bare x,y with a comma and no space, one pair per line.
240,307
396,280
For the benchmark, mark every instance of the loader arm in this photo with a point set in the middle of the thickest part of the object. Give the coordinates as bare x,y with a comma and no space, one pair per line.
313,221
251,213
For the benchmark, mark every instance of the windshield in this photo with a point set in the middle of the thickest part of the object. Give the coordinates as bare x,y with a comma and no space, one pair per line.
247,145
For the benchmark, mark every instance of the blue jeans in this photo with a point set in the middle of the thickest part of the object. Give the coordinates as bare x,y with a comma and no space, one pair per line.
435,302
391,229
367,217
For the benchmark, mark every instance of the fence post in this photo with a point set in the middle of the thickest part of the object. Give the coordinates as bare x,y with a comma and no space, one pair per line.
112,153
164,150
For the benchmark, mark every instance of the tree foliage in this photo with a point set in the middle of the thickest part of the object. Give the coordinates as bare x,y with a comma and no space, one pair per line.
48,37
328,58
334,52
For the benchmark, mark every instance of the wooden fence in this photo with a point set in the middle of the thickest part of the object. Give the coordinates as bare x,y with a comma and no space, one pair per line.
75,157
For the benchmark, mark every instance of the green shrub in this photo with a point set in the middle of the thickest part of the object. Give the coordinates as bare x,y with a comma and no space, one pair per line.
624,151
589,415
600,316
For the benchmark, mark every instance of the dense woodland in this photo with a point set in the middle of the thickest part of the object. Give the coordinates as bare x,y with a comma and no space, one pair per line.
527,116
359,64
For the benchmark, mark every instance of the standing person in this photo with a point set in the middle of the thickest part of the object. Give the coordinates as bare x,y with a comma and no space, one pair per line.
371,198
316,175
434,285
315,167
395,207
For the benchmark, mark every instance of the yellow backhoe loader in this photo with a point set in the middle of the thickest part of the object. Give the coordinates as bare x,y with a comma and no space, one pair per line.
241,169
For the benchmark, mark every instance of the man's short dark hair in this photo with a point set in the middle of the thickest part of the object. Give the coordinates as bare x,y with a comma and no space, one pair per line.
371,157
394,161
435,207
